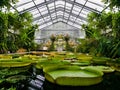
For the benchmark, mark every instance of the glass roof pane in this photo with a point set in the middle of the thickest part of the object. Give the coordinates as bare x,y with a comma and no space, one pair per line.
68,5
78,20
78,26
66,17
94,6
85,11
97,1
70,23
55,21
83,15
46,18
72,18
22,2
76,8
61,13
75,12
51,8
36,15
41,20
81,1
38,1
44,12
59,19
66,14
43,9
28,5
51,5
58,8
64,20
53,14
49,23
43,6
59,3
54,17
42,26
34,12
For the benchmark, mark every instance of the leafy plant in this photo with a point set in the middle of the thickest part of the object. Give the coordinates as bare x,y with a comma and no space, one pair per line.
102,29
6,3
3,32
113,3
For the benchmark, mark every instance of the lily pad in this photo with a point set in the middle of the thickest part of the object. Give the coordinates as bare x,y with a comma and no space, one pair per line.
81,63
100,60
73,75
104,69
14,64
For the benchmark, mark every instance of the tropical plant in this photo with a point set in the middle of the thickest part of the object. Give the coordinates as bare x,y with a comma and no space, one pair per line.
113,3
6,3
3,32
104,30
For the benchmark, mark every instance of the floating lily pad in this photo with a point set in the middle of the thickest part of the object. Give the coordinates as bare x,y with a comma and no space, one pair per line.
104,69
14,64
73,75
81,63
100,60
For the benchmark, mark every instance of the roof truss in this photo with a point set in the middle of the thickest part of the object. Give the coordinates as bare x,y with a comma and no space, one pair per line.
48,12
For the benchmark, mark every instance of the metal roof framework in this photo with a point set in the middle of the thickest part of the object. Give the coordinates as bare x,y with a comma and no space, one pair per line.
48,12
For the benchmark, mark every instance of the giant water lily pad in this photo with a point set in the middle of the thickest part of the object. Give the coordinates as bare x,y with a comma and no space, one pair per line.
73,75
104,69
81,63
84,57
14,64
44,63
100,60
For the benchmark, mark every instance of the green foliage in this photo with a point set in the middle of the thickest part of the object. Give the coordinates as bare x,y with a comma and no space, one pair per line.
51,48
68,47
17,31
6,3
113,3
103,29
3,32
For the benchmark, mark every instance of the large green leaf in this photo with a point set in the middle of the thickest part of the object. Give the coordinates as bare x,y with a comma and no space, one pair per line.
73,75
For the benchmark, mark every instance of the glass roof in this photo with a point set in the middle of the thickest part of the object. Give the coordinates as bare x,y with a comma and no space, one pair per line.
48,12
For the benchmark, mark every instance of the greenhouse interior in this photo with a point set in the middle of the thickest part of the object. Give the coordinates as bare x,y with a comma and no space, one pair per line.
59,44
